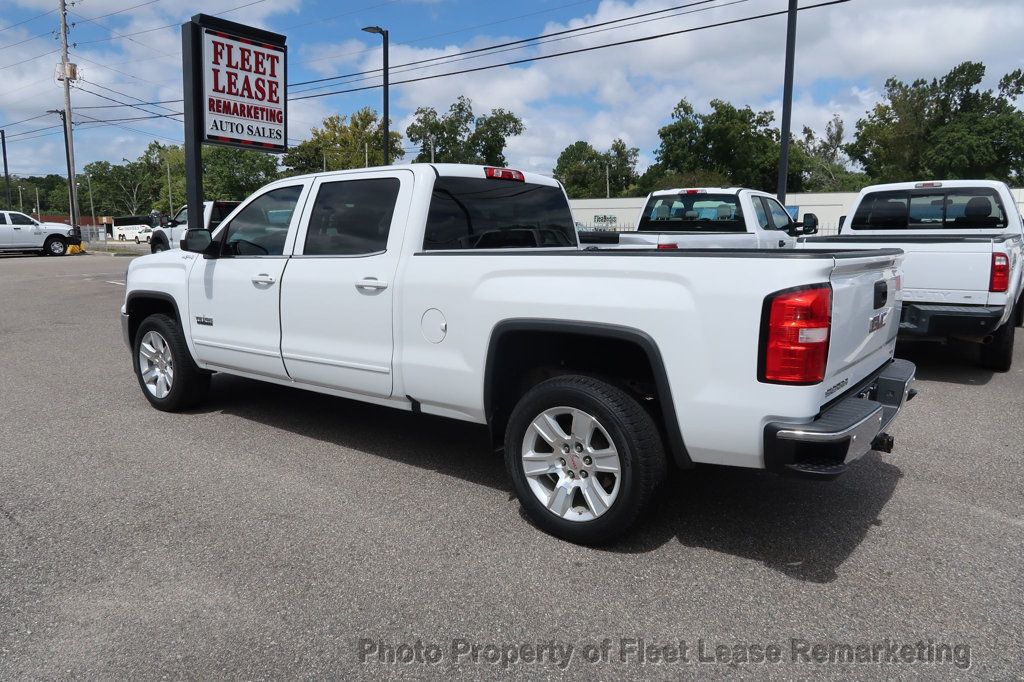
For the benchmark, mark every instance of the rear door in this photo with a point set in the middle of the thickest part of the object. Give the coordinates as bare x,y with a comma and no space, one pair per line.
6,233
338,293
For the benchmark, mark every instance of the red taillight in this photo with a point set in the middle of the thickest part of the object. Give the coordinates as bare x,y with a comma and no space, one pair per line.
999,281
693,191
504,174
795,338
666,247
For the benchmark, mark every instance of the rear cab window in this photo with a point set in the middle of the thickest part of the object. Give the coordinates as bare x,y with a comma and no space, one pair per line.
954,208
692,212
487,213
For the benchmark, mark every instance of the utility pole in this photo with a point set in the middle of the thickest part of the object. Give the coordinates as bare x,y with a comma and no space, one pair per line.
21,203
431,150
170,199
92,206
39,213
607,181
324,154
787,101
7,176
366,154
387,120
68,73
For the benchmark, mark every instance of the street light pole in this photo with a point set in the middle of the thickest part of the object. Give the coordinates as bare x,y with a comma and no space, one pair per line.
787,101
387,121
21,203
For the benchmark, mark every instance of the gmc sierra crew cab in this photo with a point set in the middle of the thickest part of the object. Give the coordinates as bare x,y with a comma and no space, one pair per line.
413,287
962,275
708,217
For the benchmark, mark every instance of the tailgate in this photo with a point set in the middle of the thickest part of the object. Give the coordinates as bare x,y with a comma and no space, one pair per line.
951,270
865,319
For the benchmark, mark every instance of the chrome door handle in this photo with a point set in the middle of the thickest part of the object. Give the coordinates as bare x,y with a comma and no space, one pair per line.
263,278
371,283
17,228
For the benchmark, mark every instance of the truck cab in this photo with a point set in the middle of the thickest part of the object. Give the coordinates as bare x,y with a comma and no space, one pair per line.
709,217
169,235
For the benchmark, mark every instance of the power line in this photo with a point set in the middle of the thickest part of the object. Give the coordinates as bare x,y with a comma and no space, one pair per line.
115,35
456,31
500,45
124,127
24,120
517,46
576,51
38,16
28,40
121,11
126,104
30,59
125,94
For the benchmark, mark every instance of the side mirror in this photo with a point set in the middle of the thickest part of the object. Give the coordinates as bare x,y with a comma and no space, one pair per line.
198,241
810,224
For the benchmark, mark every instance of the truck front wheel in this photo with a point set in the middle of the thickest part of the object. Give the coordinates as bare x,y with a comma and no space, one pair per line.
157,246
997,355
585,458
55,246
168,376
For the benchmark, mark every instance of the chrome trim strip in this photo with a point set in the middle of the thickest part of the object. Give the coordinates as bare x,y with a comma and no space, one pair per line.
379,369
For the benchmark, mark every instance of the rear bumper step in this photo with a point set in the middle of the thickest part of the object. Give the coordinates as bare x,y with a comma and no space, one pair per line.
929,320
846,431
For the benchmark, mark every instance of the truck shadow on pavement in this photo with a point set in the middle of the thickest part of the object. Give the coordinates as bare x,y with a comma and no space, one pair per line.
804,529
953,363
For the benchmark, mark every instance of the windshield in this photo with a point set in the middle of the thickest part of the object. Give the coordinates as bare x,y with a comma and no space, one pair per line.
700,212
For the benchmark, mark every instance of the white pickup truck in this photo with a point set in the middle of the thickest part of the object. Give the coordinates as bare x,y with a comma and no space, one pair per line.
411,287
20,232
962,275
708,217
168,236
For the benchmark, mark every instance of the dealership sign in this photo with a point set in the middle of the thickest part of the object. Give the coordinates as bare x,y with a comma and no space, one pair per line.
241,77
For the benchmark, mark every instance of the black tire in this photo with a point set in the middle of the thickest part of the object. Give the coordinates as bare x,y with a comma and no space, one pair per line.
189,385
998,355
137,240
1020,311
630,429
157,246
55,246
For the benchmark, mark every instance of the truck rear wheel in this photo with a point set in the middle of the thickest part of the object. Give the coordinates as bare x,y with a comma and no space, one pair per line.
998,354
168,376
157,246
585,458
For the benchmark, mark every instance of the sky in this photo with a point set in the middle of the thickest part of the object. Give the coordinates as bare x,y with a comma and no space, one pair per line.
129,50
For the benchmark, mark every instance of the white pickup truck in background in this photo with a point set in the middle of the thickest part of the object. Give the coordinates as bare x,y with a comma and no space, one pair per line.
167,236
707,217
429,288
21,232
962,275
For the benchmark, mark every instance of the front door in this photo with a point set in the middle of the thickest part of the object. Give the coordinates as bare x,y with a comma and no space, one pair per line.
781,223
234,300
25,232
338,294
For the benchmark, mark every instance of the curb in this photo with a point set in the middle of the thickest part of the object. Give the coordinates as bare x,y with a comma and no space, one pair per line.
111,254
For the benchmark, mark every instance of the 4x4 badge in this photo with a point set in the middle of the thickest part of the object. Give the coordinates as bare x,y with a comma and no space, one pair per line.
206,321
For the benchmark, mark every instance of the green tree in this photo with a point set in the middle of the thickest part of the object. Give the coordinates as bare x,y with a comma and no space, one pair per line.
343,142
459,136
588,173
740,144
826,166
657,177
944,128
231,173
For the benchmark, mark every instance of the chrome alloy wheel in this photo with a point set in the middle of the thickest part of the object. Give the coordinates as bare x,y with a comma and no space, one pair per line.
571,464
57,247
156,364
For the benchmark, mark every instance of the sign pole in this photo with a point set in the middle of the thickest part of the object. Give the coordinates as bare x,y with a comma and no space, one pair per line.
191,55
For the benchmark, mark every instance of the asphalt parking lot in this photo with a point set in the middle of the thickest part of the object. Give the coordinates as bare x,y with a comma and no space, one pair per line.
279,533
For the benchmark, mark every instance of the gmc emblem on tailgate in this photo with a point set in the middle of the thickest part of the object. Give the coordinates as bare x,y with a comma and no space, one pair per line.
877,321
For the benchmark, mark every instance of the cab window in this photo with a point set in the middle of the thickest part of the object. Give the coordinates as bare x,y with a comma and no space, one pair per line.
21,219
262,227
351,217
780,217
